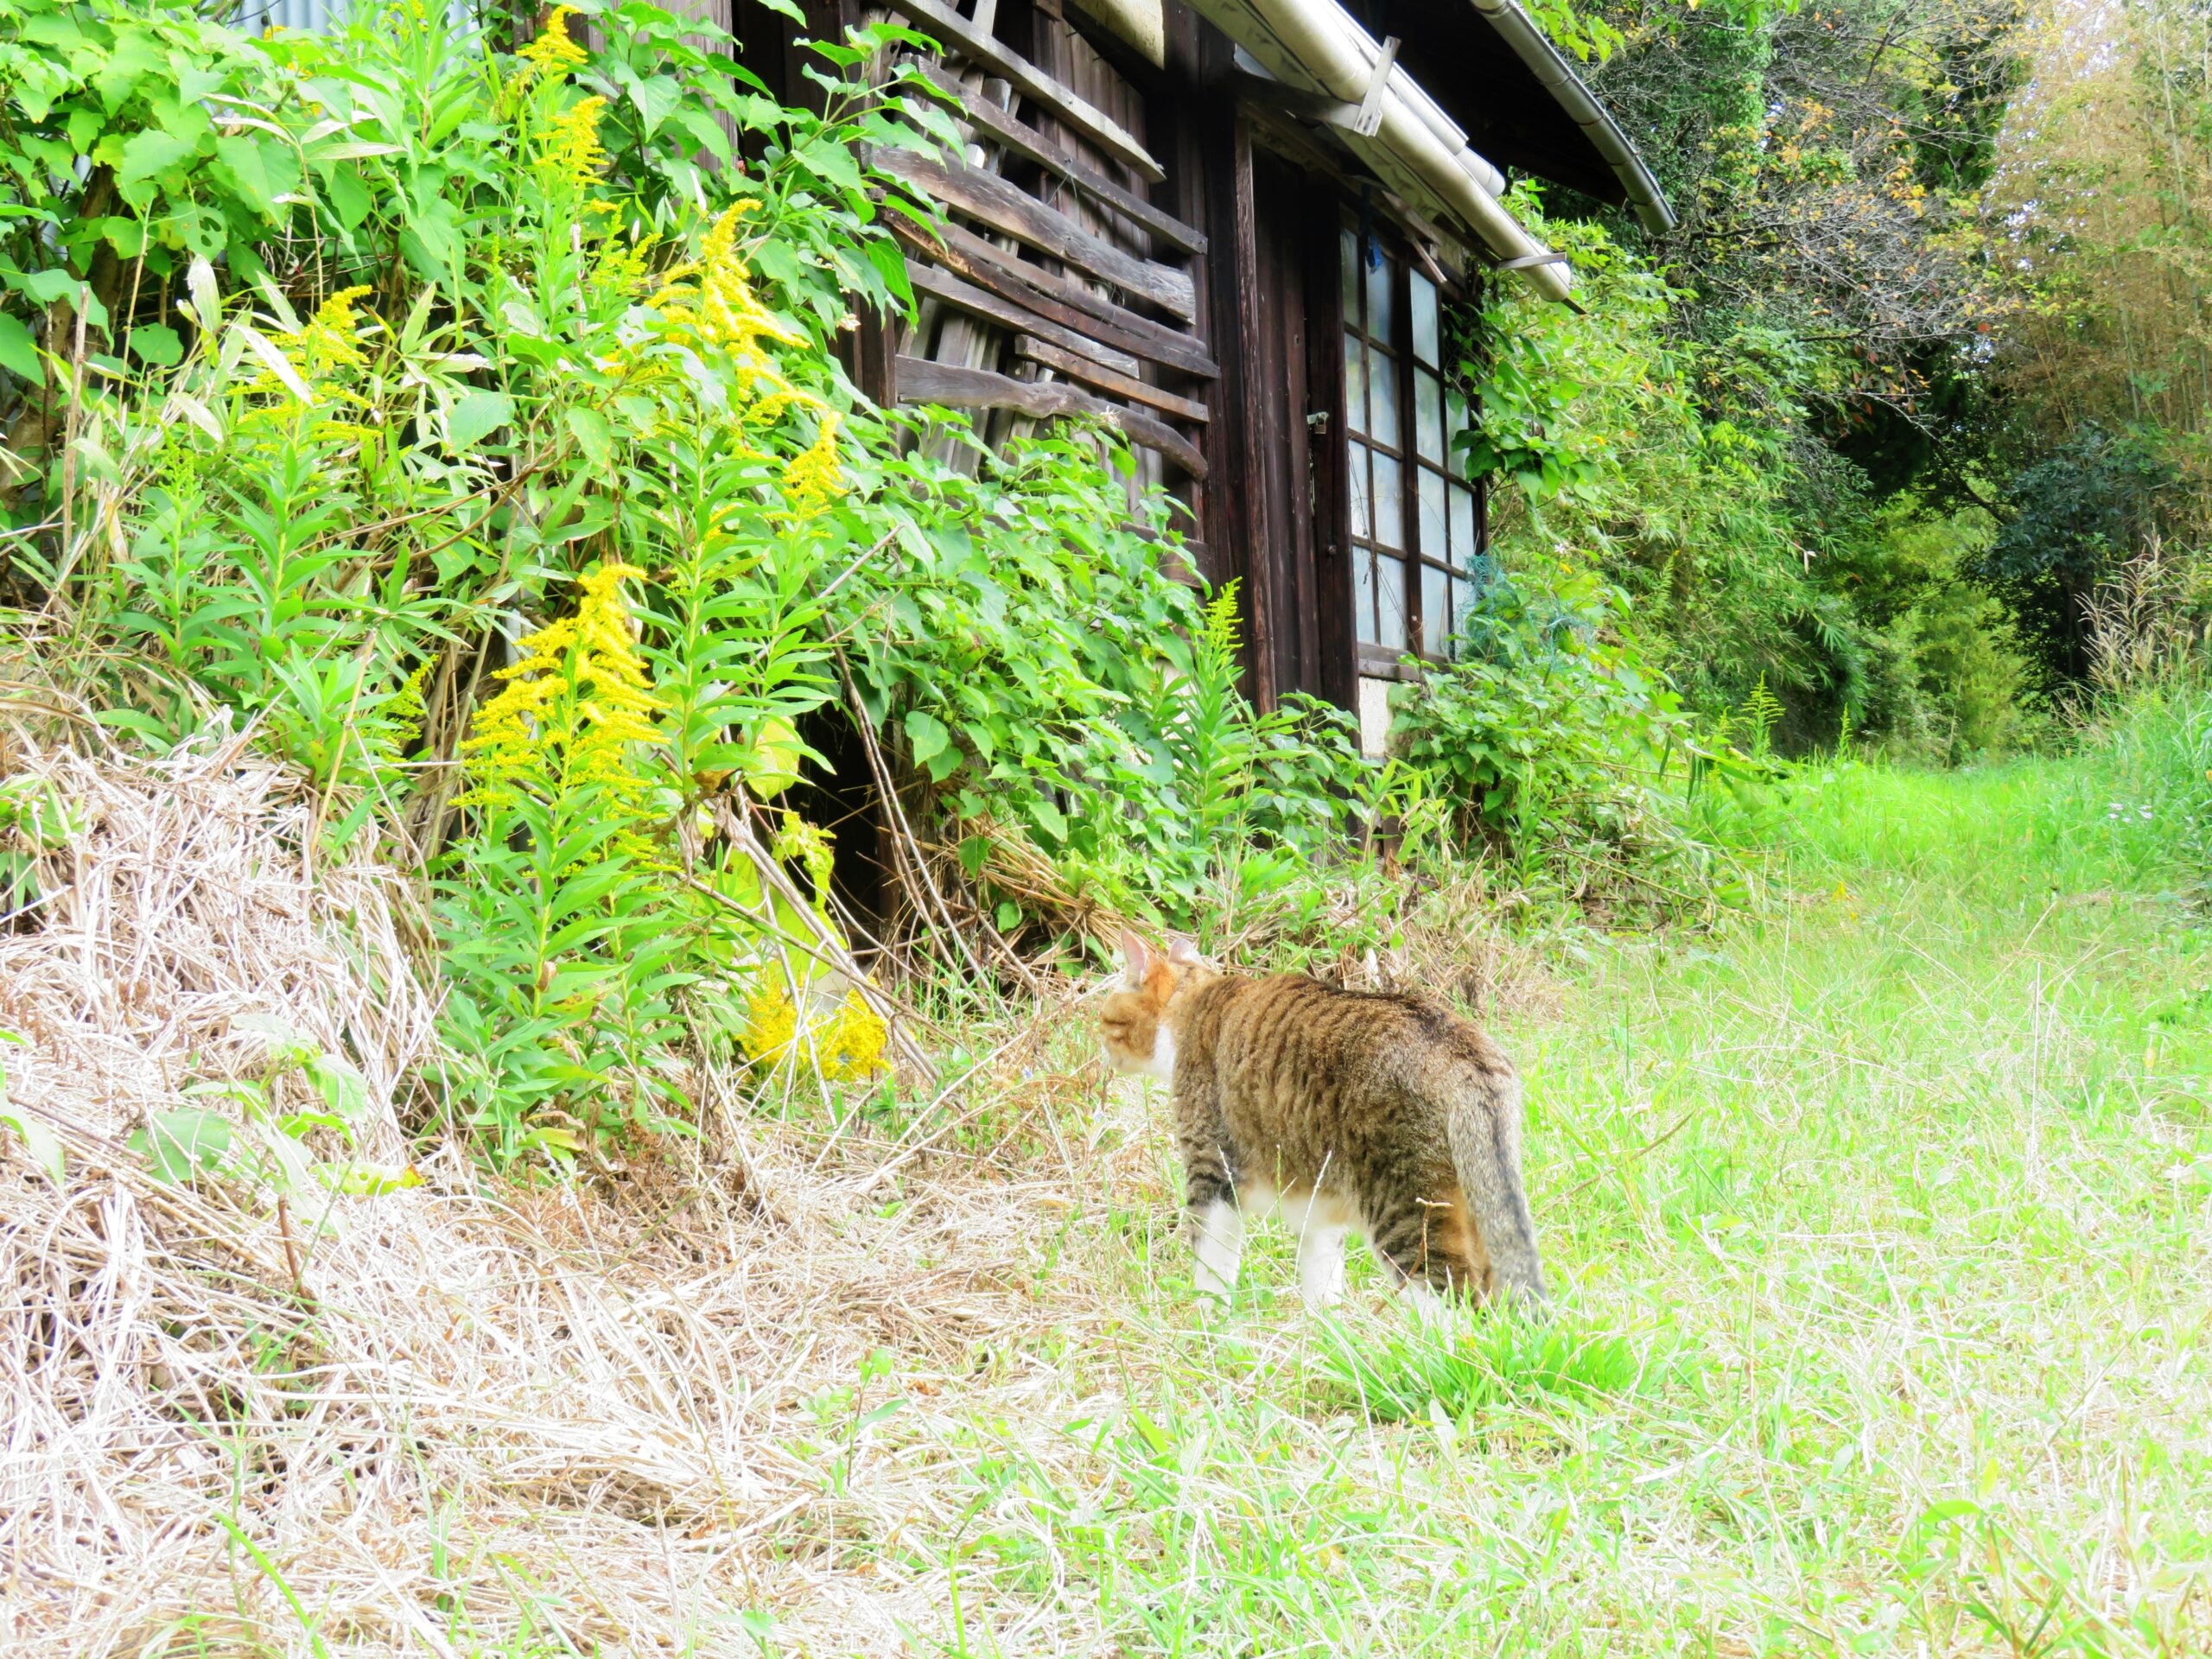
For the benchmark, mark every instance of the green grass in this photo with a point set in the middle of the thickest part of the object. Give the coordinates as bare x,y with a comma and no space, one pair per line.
1883,1220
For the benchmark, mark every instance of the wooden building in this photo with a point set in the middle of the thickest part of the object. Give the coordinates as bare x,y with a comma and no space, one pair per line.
1229,227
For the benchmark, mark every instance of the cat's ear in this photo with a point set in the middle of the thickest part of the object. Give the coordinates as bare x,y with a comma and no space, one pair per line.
1184,954
1136,956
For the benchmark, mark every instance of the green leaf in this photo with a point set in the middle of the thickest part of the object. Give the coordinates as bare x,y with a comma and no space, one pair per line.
476,416
144,154
374,1180
344,1088
928,736
243,157
44,1146
157,344
349,197
18,352
46,286
596,436
181,1142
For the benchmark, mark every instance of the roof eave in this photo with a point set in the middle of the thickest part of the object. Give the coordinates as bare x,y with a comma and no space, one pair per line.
1533,48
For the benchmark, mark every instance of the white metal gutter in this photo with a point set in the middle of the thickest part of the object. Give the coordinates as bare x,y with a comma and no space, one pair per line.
1316,46
1533,48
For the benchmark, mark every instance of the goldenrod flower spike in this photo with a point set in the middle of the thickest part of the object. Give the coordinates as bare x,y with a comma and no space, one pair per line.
813,478
555,52
572,152
572,705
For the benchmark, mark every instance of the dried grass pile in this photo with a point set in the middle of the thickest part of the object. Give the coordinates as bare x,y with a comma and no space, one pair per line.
458,1418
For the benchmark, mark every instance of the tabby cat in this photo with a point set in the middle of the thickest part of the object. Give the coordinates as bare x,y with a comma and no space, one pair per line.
1388,1114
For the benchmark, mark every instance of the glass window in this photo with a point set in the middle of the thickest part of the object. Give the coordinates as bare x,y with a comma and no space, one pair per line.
1426,331
1382,397
1375,420
1428,417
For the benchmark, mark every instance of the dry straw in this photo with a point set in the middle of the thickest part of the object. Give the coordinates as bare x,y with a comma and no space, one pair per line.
464,1416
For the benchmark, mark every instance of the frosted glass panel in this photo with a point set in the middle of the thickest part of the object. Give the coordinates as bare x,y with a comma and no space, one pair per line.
1382,404
1425,332
1382,313
1463,526
1435,608
1389,510
1390,602
1360,523
1354,383
1429,416
1434,536
1348,248
1362,565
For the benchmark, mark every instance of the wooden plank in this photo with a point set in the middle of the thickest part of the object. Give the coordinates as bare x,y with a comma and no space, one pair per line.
921,381
1003,208
953,30
966,296
1268,542
965,254
1093,373
1023,139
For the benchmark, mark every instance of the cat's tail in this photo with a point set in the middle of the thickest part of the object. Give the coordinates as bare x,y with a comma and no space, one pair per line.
1484,1128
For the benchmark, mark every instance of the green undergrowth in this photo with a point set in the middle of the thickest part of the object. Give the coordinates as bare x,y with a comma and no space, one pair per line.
1877,1221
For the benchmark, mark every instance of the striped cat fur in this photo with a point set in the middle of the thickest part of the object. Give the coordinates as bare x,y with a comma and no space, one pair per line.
1387,1115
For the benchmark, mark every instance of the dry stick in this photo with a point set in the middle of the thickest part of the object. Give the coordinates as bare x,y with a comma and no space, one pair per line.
69,446
905,839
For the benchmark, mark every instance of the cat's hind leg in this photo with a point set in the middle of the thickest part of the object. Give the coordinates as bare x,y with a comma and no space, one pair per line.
1426,1247
1321,1263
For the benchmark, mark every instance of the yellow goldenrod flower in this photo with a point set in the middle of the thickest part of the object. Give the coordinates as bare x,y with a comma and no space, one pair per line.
572,708
571,151
709,304
555,52
317,350
846,1043
813,478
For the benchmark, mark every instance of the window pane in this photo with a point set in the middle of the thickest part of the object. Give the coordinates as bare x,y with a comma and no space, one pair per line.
1434,539
1455,414
1389,510
1362,567
1357,468
1391,601
1435,608
1348,248
1429,416
1382,403
1382,286
1355,385
1425,332
1463,527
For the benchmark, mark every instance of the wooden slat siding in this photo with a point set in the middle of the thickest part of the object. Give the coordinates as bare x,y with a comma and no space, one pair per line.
1266,545
1063,52
1093,373
1025,141
977,302
1326,582
1045,246
1056,298
956,34
999,204
921,381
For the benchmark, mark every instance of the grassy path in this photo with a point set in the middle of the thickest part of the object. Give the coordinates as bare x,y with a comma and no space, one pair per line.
1885,1224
